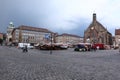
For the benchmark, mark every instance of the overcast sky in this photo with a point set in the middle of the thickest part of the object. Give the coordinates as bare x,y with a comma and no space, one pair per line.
62,16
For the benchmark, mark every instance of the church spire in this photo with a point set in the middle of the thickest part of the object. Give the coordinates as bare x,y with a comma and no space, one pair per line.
94,17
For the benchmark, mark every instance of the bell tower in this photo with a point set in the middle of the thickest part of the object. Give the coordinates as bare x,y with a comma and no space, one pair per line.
9,32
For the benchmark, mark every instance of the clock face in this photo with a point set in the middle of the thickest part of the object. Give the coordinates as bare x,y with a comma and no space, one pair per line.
92,28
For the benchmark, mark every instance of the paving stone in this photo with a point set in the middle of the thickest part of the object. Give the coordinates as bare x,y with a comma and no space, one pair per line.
61,65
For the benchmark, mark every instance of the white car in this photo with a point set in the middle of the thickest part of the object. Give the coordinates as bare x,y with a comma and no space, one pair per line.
30,47
64,46
22,45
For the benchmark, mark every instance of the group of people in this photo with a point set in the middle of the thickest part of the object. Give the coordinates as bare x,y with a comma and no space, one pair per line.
91,47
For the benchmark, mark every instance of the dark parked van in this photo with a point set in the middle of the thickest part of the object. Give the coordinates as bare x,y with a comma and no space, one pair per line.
80,47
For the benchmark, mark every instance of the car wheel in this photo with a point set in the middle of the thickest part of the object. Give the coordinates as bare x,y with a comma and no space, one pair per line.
83,49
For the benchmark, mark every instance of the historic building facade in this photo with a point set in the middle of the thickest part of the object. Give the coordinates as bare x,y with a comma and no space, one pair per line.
116,41
68,39
33,35
97,33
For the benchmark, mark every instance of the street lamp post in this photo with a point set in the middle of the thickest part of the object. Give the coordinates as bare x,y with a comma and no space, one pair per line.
119,44
51,44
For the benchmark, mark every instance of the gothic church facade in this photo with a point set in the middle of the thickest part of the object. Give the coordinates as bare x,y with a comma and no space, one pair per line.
97,33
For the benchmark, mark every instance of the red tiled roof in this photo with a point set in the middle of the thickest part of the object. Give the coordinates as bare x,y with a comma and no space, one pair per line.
117,31
65,34
33,29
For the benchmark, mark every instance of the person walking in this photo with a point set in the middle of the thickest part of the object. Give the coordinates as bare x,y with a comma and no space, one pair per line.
93,47
25,49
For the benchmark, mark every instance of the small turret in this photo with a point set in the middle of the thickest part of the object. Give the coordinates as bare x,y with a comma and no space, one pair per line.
11,25
94,17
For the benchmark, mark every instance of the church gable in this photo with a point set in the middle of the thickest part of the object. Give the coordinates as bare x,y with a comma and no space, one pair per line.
100,27
96,32
97,27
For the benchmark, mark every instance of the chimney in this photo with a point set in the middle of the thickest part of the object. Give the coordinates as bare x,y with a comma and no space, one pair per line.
94,17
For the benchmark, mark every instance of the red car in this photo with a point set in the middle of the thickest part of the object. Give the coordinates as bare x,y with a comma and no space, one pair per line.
99,45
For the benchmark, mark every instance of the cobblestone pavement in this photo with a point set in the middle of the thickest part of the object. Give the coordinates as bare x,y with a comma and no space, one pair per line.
61,65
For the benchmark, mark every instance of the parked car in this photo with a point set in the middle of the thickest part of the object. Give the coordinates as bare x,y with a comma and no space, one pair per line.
22,45
62,46
30,47
101,46
80,47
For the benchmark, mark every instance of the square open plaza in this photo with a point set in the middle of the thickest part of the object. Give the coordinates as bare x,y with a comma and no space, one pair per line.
60,65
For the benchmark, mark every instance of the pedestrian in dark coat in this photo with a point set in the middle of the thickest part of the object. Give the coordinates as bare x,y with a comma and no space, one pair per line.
25,49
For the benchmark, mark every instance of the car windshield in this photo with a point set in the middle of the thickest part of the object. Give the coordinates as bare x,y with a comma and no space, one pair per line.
80,46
